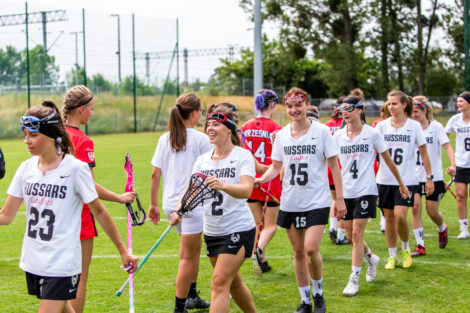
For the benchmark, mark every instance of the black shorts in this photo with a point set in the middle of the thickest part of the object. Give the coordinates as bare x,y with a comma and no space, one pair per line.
303,219
271,204
462,175
362,207
439,190
52,288
389,196
231,244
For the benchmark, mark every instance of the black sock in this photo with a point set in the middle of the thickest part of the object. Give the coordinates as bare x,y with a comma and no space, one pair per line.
179,304
192,291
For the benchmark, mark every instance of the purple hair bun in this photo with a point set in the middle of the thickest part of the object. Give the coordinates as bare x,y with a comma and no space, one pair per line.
263,98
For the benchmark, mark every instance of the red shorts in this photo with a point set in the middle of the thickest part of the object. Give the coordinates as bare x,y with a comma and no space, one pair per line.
275,190
88,224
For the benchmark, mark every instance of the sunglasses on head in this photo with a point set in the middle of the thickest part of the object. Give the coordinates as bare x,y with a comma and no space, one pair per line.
33,123
297,98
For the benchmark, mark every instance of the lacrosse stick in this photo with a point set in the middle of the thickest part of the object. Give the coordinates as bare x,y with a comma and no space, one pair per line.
256,267
270,195
448,188
137,216
195,195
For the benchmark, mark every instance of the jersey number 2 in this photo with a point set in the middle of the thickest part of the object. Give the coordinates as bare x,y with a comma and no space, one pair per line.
34,220
217,202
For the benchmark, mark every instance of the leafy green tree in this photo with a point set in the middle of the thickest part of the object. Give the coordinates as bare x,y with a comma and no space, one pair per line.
10,61
43,70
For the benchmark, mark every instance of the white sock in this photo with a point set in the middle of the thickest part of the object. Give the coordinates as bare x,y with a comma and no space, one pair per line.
305,294
419,236
333,223
392,252
368,255
463,224
316,285
405,245
382,218
441,228
341,233
356,270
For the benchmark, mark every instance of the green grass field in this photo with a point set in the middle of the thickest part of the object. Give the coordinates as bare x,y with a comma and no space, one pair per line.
438,282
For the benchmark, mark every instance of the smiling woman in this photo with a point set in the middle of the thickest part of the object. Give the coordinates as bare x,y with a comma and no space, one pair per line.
54,185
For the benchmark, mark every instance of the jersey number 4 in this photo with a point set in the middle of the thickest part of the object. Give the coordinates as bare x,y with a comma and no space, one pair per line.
45,235
260,152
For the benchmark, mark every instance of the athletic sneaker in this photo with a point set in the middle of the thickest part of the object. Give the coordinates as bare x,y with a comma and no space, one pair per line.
341,242
419,251
372,268
352,288
264,266
304,308
193,303
333,233
443,238
463,234
406,259
319,304
392,263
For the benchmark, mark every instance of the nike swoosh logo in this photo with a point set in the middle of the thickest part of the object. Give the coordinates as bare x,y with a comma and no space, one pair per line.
233,161
64,176
72,290
232,247
363,213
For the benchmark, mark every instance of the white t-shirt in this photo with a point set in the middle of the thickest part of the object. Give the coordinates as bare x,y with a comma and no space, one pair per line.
51,244
357,156
462,139
177,166
225,214
305,184
401,144
435,136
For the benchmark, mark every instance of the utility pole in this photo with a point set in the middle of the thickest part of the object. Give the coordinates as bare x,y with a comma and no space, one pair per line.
27,54
258,47
185,56
147,67
76,55
466,18
177,59
118,52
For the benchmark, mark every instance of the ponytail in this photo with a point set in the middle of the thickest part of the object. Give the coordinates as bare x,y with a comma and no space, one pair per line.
185,105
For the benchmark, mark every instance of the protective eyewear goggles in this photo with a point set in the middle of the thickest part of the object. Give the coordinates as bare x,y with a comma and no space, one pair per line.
297,98
419,104
349,105
33,123
222,118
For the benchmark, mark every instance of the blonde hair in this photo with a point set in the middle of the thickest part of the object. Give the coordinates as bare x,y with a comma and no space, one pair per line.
74,98
429,109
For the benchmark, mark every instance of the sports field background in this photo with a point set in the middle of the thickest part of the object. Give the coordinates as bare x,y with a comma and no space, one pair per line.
438,282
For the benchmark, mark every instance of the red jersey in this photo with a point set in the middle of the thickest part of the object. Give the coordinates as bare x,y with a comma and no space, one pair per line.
334,125
376,163
82,145
84,151
259,140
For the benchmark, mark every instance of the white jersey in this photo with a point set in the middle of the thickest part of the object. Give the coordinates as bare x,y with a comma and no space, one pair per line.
462,139
51,244
357,156
177,166
305,184
436,137
225,214
401,144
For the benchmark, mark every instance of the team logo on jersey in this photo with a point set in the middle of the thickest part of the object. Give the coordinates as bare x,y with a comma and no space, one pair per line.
364,204
74,280
91,156
235,237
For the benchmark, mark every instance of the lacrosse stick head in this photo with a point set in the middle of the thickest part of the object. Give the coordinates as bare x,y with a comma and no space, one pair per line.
129,172
196,193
